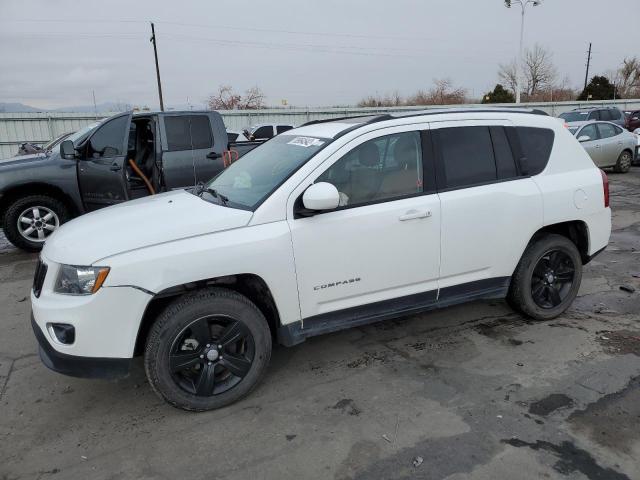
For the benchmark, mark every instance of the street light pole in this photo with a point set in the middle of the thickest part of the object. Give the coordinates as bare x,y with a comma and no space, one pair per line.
523,6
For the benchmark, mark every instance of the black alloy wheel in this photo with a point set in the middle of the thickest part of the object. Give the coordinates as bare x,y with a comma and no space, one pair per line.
547,279
207,349
211,355
552,279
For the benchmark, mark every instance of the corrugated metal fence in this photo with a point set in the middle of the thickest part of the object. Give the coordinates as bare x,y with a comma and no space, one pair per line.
39,128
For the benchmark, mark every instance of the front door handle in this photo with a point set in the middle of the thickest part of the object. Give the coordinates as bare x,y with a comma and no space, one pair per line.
214,155
115,167
597,146
415,214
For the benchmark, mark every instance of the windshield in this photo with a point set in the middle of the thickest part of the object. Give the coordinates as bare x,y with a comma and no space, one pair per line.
575,116
247,182
79,135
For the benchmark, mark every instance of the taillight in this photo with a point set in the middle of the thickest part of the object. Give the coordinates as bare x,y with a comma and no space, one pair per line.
605,188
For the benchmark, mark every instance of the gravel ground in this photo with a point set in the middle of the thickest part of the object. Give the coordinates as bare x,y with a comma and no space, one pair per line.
470,392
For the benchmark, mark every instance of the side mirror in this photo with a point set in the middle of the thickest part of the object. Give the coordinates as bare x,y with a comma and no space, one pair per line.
321,196
67,150
584,138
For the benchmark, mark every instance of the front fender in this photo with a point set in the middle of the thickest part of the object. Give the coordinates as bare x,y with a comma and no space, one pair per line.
262,250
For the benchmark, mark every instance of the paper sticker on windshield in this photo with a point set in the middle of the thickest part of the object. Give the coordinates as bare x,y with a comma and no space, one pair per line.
306,142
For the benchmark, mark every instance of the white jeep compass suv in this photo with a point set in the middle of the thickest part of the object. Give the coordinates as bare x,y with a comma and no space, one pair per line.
331,225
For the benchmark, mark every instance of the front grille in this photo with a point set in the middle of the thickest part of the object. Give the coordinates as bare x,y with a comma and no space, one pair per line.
38,279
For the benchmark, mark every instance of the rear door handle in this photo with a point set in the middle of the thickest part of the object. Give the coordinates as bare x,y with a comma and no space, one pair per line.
115,167
415,214
213,155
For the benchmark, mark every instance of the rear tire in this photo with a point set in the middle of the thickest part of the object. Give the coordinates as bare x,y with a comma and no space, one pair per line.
207,350
623,165
547,279
51,213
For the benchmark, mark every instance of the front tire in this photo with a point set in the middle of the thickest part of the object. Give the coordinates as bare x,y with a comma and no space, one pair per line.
623,165
29,221
547,279
208,349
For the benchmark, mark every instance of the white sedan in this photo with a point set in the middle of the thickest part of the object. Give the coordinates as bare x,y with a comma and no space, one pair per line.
607,144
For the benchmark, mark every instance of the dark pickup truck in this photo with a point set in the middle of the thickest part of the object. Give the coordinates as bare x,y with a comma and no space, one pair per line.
126,156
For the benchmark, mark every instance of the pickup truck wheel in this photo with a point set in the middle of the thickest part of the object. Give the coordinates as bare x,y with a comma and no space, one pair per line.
207,350
547,279
29,221
623,165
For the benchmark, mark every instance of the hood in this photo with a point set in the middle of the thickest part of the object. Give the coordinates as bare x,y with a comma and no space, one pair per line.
139,223
22,159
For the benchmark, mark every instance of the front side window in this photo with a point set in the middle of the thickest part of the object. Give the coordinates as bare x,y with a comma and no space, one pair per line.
589,131
108,140
607,130
248,181
262,133
380,169
615,114
595,115
466,155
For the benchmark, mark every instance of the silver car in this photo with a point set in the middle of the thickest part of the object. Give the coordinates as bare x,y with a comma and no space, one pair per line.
607,144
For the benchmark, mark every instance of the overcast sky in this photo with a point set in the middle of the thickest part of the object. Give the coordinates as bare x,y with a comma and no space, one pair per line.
316,53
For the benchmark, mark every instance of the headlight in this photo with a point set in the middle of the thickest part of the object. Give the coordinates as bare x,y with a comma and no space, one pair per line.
74,280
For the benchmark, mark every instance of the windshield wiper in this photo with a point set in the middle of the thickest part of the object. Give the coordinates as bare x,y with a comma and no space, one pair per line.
223,199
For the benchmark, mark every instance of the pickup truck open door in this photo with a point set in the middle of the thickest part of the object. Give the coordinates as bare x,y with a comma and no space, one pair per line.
101,164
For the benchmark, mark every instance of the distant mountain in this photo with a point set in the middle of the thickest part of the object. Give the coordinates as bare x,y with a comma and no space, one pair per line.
101,108
17,108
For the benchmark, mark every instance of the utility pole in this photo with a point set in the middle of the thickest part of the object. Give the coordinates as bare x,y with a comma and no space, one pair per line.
155,52
95,108
586,75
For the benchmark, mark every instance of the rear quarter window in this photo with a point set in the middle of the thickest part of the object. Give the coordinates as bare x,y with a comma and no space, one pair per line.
536,145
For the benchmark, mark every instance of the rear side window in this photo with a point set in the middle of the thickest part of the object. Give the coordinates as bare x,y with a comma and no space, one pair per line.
466,155
201,132
188,132
178,137
595,115
607,130
606,115
283,128
536,145
615,114
505,164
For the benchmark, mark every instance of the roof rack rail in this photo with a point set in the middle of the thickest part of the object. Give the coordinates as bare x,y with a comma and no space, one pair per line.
435,111
376,118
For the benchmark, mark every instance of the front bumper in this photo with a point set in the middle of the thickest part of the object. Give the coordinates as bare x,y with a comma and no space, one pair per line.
75,366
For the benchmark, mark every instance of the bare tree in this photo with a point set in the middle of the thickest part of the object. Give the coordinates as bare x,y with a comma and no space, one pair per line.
253,99
227,99
508,76
538,72
444,93
627,78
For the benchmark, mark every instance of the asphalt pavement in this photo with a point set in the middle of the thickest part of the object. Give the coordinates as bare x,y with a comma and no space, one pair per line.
469,392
